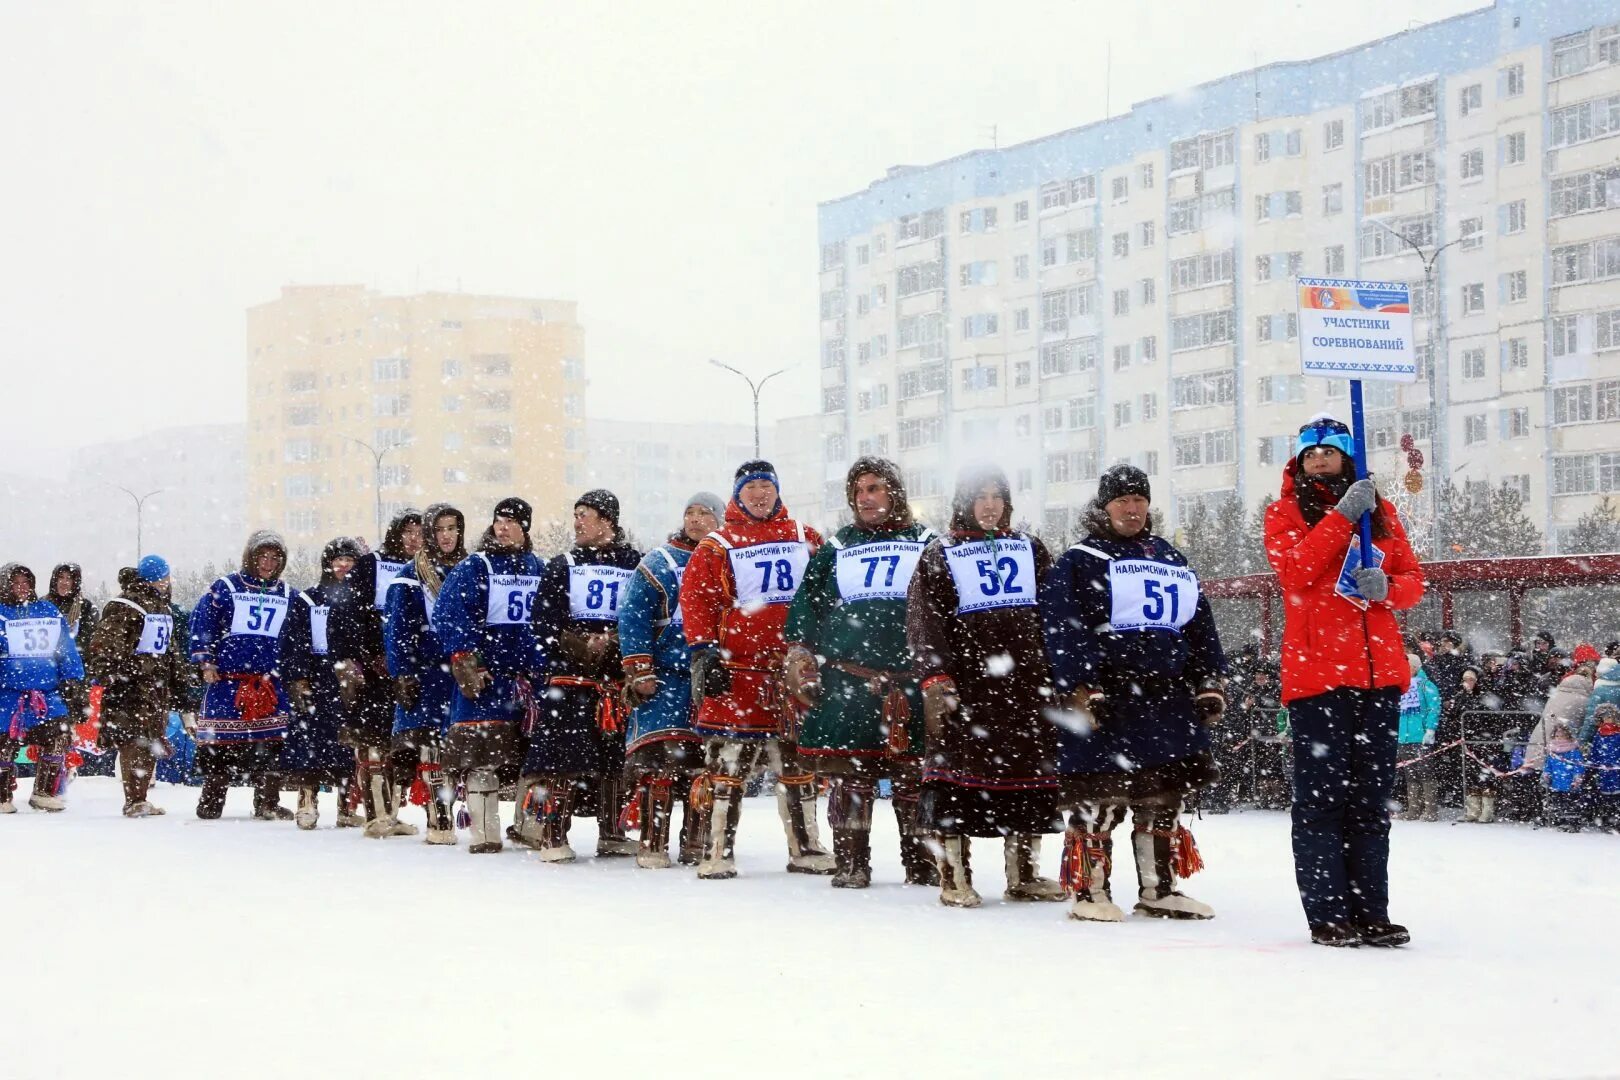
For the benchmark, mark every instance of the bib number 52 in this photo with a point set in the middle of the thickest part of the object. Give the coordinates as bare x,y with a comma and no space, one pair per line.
1000,577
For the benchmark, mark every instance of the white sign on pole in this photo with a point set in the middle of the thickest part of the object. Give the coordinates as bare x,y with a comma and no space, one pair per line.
1356,329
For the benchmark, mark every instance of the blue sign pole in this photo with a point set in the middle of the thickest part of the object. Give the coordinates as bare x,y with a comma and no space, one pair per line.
1358,432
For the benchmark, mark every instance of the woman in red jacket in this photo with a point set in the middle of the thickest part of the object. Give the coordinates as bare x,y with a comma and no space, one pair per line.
1344,669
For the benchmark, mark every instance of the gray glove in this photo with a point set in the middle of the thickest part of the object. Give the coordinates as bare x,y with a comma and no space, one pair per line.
1372,583
1358,499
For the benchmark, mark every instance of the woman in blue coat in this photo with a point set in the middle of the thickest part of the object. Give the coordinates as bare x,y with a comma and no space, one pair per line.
1137,665
236,638
485,619
663,754
420,664
39,666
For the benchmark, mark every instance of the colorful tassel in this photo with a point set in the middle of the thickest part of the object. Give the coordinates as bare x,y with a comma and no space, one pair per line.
1185,858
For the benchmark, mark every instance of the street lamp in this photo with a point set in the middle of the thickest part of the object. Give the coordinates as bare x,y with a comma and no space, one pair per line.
140,504
1437,440
754,388
376,477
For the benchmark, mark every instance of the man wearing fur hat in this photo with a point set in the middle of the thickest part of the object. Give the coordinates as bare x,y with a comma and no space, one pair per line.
1137,665
735,597
39,668
141,673
417,659
664,755
864,718
236,634
577,745
484,618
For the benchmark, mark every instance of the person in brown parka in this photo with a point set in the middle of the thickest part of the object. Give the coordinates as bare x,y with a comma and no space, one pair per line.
140,673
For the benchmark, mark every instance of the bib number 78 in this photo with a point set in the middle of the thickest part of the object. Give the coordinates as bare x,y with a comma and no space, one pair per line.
782,571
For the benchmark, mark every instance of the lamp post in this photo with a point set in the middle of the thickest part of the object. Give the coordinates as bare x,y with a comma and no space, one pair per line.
376,476
753,388
1437,440
140,505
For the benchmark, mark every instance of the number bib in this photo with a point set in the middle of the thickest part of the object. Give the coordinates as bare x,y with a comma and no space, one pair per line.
386,573
155,634
257,614
318,615
1151,595
880,570
987,577
768,573
511,599
594,591
34,639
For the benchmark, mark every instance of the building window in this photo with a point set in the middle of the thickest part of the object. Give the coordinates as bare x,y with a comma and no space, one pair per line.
1394,106
1150,408
1515,354
1571,55
1122,245
1516,286
1021,320
1021,210
1598,189
863,254
1472,164
1470,99
1572,405
1512,80
1020,267
1148,349
1513,217
1199,331
1150,292
1205,448
1262,328
1262,147
832,255
1145,175
979,221
832,399
1121,188
1515,423
1333,199
1198,271
1022,373
1513,149
1262,268
1587,120
977,273
302,415
1122,414
1122,301
1471,233
1473,364
1473,298
1282,389
1207,388
979,326
1332,135
1333,259
928,379
1473,429
1607,327
1293,143
1607,396
391,368
1122,357
1148,234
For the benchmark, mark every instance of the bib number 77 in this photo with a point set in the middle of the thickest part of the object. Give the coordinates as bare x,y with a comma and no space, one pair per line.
1156,595
872,562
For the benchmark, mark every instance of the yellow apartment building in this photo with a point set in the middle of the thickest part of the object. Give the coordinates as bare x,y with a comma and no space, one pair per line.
360,404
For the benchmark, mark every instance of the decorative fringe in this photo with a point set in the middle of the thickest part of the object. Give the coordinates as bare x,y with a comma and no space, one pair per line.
1084,853
420,793
701,796
1185,860
630,816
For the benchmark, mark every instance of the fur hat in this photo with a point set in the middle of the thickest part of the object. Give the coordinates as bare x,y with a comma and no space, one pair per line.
889,473
1120,481
969,482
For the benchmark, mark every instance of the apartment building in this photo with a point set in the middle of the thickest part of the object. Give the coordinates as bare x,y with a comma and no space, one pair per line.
360,404
654,467
1125,291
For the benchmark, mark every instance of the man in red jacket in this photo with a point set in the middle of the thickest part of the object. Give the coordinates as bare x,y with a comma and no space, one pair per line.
1344,669
735,597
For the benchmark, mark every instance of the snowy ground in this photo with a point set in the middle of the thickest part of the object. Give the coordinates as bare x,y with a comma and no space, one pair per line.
325,954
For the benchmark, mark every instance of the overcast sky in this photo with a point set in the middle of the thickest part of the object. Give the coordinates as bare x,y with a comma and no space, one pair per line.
168,165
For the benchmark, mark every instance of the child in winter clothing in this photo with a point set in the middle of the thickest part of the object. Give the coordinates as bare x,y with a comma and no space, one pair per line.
1420,720
1563,774
1605,758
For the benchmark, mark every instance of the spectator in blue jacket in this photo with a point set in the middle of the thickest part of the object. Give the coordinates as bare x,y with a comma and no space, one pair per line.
40,670
1420,721
1563,775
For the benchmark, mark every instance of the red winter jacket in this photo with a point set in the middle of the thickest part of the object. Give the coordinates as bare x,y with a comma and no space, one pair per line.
1329,642
735,593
